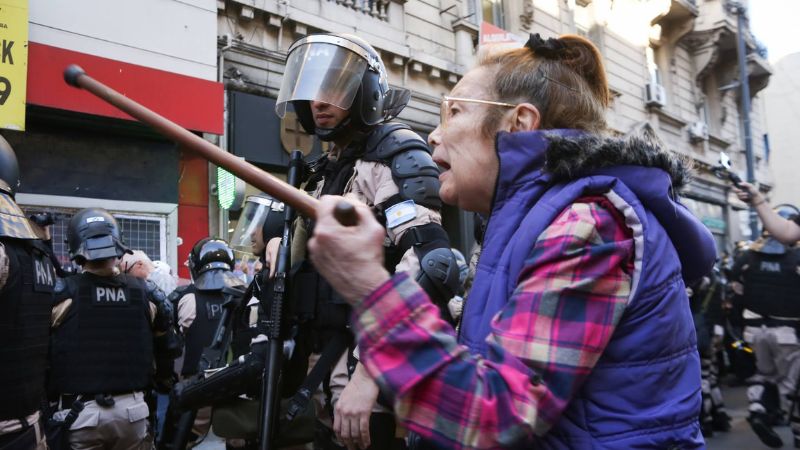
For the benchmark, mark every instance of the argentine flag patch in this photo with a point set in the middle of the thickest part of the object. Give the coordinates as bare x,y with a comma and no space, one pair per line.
401,213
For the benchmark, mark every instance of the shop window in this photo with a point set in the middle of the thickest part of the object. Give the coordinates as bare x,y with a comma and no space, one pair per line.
140,232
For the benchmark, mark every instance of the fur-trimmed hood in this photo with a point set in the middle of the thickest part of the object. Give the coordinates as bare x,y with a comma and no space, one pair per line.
568,157
653,174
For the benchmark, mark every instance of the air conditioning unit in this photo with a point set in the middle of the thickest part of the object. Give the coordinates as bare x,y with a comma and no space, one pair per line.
655,95
698,132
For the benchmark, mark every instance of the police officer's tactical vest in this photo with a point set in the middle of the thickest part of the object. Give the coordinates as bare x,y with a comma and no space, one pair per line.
772,284
105,343
398,147
199,335
26,302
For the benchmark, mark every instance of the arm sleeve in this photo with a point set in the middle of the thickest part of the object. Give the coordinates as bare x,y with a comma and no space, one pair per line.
544,343
373,184
187,311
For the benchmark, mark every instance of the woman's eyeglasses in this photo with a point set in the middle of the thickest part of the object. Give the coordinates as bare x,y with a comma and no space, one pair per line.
444,113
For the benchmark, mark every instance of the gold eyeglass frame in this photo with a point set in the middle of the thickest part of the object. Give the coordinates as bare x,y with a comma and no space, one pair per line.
446,99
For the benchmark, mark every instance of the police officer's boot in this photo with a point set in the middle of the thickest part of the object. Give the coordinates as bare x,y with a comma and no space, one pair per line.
759,422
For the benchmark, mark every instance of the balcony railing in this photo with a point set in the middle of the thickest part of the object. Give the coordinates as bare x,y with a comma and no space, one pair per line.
375,8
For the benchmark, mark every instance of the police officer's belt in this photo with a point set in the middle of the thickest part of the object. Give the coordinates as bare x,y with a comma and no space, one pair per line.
104,400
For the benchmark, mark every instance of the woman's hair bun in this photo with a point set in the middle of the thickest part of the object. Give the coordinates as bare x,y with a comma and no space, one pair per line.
577,53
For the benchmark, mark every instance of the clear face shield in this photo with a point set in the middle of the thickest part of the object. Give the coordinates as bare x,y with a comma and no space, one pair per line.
248,238
322,68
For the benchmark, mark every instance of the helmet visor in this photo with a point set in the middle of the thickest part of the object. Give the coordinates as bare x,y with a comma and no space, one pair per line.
322,71
249,229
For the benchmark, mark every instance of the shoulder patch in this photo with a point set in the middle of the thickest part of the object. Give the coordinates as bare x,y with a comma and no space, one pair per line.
400,213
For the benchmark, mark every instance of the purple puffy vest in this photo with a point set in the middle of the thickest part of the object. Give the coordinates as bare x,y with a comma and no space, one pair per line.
645,390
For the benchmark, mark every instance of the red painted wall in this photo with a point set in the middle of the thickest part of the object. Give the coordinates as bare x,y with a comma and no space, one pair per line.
191,102
192,206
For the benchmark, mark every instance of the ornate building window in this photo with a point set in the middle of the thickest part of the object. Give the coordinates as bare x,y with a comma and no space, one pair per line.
374,8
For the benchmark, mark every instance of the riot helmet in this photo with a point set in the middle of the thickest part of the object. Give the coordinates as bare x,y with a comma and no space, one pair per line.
9,169
13,223
787,211
341,70
94,234
210,253
767,244
261,217
211,263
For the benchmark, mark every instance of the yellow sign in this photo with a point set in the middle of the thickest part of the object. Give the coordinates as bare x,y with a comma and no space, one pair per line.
13,62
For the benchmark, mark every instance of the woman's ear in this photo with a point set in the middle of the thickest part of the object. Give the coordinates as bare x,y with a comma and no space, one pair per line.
526,118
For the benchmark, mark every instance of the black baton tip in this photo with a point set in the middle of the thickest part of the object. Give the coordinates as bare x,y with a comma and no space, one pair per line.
345,214
71,74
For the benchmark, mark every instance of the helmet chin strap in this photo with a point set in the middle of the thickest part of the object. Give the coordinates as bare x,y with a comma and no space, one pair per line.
337,132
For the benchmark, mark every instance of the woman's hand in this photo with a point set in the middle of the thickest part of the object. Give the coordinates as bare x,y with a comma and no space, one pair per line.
350,258
353,409
271,254
748,194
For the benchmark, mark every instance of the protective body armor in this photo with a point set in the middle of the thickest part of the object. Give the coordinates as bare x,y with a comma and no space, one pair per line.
201,332
105,343
25,308
397,146
772,284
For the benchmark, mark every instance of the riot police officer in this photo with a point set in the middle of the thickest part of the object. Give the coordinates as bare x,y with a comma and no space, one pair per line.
27,280
766,277
337,85
260,221
200,304
199,308
705,298
108,328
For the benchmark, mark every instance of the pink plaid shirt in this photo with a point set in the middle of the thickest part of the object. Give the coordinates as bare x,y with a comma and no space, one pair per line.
569,298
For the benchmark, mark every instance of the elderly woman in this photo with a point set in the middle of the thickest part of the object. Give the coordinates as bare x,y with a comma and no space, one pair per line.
577,332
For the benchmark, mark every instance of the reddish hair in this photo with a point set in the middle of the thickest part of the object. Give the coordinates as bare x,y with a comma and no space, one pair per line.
568,86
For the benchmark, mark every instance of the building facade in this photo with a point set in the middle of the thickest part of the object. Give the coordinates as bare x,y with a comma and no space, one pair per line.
77,151
215,67
671,66
783,111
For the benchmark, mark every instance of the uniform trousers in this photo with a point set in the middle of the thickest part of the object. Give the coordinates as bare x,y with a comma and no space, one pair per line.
777,353
123,426
28,438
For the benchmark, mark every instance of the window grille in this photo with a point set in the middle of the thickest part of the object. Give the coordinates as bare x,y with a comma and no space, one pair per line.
140,232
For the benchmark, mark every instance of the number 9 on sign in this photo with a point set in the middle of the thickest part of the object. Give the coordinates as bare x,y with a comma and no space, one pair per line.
5,90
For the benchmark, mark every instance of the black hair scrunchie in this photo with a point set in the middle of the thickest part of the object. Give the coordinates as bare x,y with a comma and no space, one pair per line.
551,48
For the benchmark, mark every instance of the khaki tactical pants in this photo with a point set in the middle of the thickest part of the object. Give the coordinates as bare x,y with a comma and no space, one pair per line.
123,426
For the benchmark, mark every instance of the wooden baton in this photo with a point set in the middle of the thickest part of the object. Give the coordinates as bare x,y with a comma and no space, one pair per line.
302,202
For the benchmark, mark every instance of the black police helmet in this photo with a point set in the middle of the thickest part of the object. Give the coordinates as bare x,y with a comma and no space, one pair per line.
787,211
94,234
209,254
374,102
9,169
